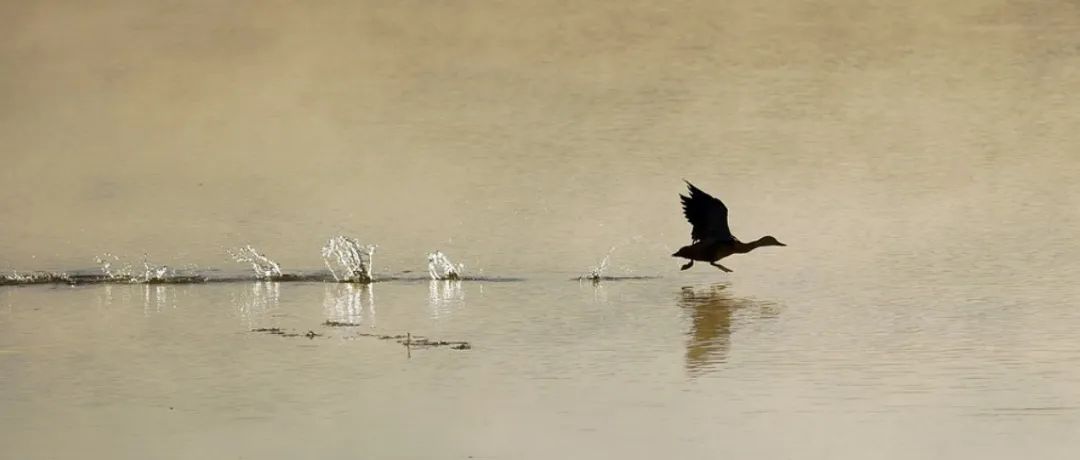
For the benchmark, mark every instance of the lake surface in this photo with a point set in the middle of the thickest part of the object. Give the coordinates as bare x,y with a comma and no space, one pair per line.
918,159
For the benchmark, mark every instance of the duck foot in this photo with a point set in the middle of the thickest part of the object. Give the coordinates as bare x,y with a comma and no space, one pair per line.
688,265
725,269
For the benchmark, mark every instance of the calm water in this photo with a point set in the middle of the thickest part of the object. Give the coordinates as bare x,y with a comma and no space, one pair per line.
919,160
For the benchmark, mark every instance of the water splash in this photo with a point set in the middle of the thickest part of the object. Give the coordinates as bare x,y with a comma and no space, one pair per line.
16,277
597,273
34,278
107,261
150,273
265,269
441,268
348,260
125,273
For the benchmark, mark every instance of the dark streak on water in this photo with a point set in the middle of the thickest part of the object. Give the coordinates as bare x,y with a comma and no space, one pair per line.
408,340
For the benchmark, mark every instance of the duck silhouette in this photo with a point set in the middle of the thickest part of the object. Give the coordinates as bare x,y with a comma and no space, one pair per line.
711,238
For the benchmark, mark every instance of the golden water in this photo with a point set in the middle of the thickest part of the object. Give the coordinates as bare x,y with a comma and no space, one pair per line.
918,158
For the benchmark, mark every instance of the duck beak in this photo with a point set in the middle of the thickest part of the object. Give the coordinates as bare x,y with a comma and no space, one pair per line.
780,244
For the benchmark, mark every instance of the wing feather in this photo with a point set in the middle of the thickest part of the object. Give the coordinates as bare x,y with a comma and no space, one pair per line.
707,215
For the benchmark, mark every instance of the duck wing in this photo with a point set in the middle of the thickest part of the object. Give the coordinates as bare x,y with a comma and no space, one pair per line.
707,215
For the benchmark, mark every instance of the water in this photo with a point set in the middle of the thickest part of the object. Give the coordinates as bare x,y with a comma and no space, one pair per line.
918,159
174,367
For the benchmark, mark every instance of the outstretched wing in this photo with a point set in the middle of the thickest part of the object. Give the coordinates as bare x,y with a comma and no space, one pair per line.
707,215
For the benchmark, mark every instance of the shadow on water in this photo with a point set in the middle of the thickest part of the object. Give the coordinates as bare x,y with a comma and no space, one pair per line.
598,279
712,311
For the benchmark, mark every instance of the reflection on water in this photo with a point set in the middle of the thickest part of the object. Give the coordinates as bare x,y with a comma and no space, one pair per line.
105,296
444,296
263,297
711,310
350,303
6,304
158,297
599,292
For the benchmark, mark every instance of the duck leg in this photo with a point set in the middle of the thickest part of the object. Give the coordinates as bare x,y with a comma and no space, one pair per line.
725,269
688,265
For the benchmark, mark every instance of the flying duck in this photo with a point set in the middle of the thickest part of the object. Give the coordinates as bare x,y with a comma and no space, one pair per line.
711,237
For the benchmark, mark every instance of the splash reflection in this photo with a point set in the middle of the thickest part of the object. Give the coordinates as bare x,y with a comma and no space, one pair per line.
599,292
350,303
109,295
711,311
105,296
158,298
263,298
445,296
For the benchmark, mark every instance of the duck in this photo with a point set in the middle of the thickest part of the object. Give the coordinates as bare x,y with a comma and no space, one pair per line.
711,238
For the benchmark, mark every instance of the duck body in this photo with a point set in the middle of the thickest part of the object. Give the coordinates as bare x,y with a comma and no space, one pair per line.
710,250
712,238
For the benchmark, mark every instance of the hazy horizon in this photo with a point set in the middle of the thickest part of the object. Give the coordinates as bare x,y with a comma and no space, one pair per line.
178,129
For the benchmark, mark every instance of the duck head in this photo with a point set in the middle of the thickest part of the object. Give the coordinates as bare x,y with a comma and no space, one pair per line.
769,240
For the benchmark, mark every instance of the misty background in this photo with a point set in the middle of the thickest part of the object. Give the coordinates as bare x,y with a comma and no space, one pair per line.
526,137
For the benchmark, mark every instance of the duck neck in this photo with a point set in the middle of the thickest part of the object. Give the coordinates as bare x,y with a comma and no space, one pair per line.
747,247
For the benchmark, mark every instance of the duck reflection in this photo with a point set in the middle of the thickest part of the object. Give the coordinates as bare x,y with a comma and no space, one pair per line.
711,310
